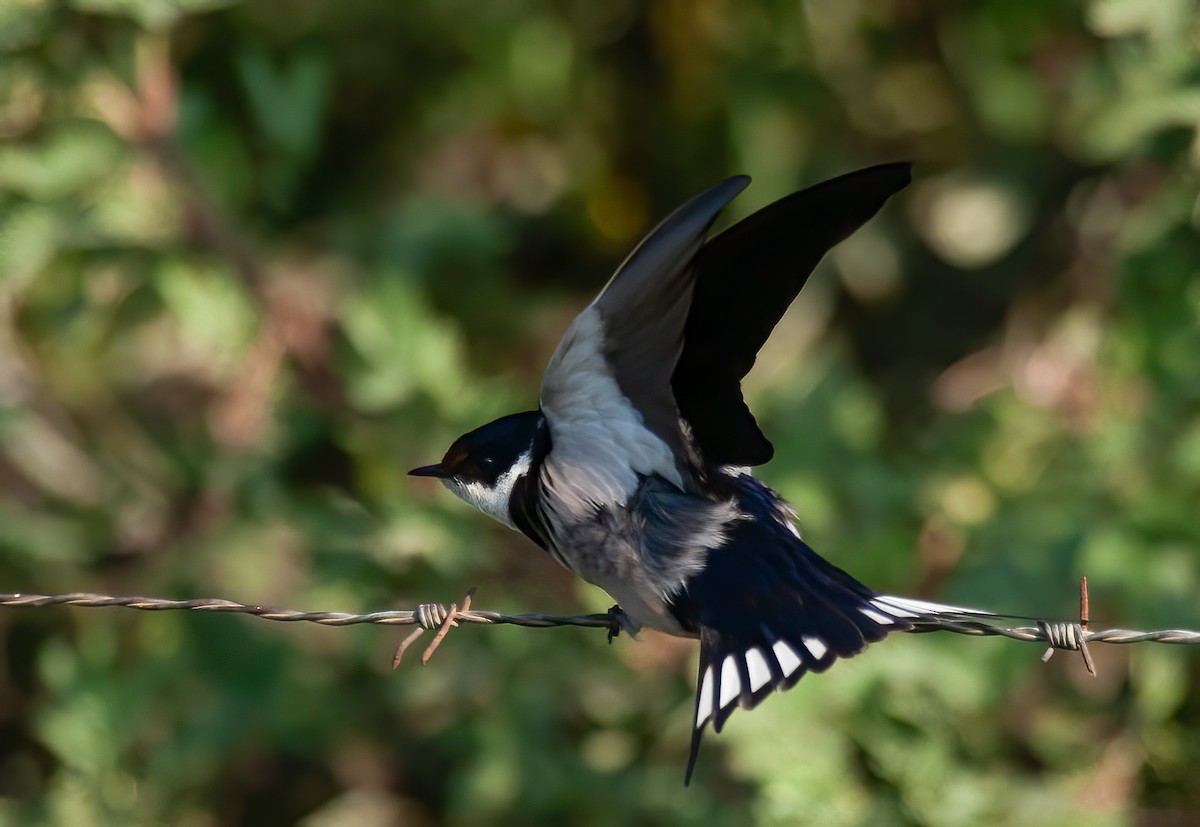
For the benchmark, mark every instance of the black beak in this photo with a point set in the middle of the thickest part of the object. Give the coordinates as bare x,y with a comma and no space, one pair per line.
429,471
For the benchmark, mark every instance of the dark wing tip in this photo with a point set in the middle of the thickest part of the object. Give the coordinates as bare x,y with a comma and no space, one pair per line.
900,173
689,222
902,168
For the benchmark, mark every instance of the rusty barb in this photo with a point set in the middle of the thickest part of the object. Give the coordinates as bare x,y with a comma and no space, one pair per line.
431,615
1073,635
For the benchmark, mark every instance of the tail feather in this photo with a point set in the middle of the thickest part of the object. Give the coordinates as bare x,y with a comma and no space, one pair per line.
742,665
769,610
917,611
740,668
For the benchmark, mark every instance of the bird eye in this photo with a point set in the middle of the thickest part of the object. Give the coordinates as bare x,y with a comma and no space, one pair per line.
488,461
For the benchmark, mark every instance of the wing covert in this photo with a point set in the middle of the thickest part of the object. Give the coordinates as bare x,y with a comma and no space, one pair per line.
607,391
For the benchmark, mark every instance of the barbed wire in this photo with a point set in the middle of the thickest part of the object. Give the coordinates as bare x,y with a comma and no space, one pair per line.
1058,634
425,615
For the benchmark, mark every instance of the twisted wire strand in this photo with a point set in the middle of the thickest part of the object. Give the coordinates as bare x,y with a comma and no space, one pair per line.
1067,635
428,615
1061,634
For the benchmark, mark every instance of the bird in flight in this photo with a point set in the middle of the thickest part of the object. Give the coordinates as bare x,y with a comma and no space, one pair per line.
634,471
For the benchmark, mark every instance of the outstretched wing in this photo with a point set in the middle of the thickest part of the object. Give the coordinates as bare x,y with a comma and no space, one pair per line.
607,391
745,278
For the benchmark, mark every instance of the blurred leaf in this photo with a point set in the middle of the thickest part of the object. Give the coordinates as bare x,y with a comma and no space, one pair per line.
287,100
29,237
402,347
213,309
22,23
75,159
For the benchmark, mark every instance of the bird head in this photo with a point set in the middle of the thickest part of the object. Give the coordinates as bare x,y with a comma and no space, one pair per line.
483,465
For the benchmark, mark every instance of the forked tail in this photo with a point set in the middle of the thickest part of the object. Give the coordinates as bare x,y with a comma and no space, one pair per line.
742,664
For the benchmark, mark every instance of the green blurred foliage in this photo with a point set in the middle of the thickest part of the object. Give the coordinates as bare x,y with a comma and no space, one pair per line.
258,259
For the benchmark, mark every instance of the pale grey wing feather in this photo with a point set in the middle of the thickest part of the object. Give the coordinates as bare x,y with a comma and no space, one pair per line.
607,391
645,305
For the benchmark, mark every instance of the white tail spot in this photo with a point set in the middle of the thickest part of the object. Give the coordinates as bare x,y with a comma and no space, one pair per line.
816,646
881,619
760,672
923,606
787,657
894,611
731,683
704,707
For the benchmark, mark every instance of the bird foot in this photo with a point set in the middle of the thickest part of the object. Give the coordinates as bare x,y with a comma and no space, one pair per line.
621,622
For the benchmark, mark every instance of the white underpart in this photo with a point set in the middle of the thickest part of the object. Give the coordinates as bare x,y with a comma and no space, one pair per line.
789,661
731,683
756,664
814,645
704,705
493,499
911,607
600,442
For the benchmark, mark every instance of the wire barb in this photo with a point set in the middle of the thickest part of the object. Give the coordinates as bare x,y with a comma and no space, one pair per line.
435,616
1071,636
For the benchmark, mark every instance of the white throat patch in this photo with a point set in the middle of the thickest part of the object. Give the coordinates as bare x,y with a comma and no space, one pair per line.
493,499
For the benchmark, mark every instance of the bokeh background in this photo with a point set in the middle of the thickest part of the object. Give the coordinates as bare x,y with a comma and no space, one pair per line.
258,259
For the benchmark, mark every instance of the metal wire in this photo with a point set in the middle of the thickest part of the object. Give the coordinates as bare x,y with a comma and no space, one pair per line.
1065,635
1060,634
427,615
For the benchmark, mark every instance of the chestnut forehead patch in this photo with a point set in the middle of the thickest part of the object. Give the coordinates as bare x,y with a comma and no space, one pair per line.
455,456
